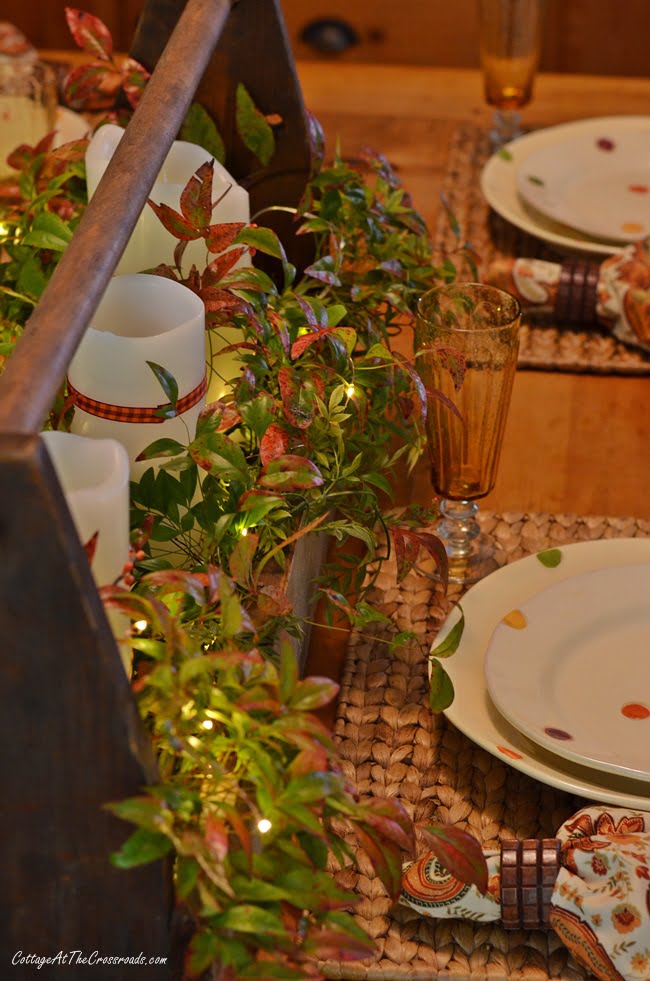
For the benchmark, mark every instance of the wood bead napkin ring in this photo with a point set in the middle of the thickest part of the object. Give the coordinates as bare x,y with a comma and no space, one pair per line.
577,292
529,869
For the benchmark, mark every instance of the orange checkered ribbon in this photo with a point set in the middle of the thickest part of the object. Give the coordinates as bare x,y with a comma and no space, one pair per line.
134,413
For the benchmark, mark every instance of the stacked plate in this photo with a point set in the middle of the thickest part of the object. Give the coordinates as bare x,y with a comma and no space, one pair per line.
552,674
581,186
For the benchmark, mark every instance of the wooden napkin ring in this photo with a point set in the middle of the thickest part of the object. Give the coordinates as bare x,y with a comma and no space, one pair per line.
577,293
529,869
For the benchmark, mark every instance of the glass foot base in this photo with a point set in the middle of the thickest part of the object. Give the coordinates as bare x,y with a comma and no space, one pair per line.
485,556
471,553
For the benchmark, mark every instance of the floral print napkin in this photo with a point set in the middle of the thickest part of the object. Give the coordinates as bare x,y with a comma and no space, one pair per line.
600,906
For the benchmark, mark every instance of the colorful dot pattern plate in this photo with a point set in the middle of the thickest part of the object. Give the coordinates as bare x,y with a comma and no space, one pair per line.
571,672
598,183
499,180
474,713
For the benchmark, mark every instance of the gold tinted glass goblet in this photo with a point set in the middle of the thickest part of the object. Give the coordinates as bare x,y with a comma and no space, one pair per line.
466,344
510,39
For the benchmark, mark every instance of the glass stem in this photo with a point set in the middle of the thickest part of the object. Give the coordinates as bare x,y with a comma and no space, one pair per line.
458,528
506,126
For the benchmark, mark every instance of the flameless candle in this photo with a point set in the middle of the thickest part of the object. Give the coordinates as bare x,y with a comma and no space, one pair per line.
94,476
151,244
140,319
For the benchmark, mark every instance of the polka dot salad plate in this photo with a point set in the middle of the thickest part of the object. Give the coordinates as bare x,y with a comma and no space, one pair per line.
596,180
567,638
570,668
501,174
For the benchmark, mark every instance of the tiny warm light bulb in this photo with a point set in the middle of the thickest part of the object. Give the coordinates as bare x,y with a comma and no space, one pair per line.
3,229
349,391
208,724
264,825
244,532
140,626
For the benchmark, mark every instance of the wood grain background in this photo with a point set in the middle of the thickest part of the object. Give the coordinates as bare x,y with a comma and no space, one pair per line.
589,36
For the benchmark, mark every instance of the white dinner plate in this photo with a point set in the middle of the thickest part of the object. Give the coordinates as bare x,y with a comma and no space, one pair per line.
499,180
473,712
599,183
570,668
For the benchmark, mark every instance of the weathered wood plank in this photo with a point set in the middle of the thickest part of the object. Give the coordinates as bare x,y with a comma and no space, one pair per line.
72,740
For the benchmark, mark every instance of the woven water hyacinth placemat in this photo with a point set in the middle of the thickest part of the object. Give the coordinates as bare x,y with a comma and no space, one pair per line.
392,746
543,347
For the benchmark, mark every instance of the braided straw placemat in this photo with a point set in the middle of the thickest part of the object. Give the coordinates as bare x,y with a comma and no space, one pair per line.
542,346
392,746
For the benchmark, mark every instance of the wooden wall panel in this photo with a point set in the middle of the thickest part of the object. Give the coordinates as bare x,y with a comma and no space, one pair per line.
591,36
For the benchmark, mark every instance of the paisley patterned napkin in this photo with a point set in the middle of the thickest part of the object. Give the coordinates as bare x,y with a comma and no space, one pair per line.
622,295
600,907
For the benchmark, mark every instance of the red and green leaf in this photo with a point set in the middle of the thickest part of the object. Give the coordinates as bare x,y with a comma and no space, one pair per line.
222,265
219,455
89,33
263,239
221,236
386,860
258,503
161,448
175,223
196,197
299,391
216,837
313,693
288,473
134,80
217,417
90,547
390,819
92,87
199,128
241,558
274,443
441,689
459,853
253,128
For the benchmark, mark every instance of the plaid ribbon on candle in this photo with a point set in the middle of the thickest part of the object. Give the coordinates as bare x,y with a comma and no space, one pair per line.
134,413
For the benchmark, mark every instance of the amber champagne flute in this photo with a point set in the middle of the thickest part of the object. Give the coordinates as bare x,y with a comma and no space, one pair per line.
510,38
466,344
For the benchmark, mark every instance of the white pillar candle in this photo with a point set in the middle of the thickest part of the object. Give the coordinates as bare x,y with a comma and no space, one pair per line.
140,318
94,476
151,244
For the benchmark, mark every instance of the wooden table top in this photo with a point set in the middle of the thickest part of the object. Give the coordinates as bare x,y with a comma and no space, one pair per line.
574,443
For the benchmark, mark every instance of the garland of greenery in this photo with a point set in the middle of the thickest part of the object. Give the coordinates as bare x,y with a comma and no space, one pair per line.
251,799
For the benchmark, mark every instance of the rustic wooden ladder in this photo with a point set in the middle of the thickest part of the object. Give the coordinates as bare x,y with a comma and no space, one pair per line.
69,726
